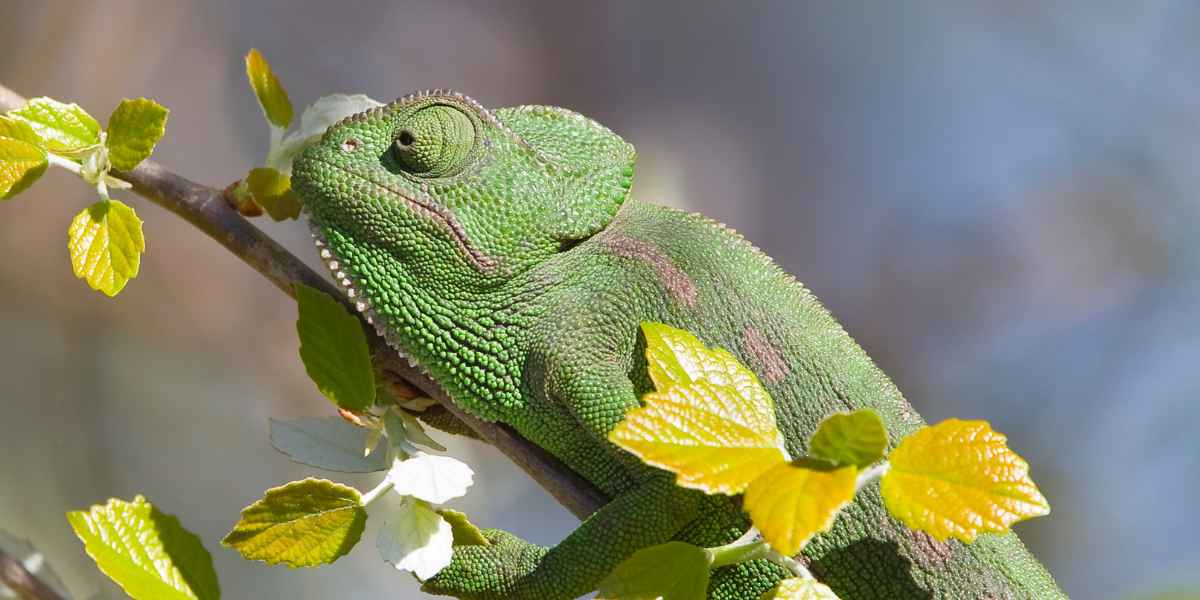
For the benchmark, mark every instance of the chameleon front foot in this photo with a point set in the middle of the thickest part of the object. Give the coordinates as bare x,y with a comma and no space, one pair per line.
493,572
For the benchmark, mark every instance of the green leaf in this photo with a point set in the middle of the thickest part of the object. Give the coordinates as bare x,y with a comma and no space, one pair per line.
959,479
148,553
271,95
856,438
465,532
19,130
65,128
301,524
328,443
272,190
105,241
334,350
799,589
393,426
21,164
670,571
134,129
403,427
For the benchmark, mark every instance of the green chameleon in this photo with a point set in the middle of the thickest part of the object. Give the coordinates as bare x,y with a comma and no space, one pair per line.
502,252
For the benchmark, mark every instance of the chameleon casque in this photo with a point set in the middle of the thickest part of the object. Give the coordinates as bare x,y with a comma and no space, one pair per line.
501,251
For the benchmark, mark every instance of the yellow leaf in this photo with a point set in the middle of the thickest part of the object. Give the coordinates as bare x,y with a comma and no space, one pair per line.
799,589
21,164
271,96
19,130
794,501
713,438
105,241
272,190
959,479
676,357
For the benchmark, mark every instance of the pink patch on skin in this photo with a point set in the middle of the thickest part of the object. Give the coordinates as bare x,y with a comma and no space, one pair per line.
937,553
676,282
772,364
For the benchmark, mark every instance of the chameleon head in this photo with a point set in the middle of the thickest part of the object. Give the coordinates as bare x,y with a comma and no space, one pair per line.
441,187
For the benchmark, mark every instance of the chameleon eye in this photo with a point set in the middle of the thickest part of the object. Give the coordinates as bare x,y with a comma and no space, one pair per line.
434,141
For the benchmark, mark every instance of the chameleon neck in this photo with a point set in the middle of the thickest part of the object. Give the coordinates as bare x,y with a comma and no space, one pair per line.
465,337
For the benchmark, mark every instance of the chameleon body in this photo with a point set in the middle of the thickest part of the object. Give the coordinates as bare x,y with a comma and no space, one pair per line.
502,252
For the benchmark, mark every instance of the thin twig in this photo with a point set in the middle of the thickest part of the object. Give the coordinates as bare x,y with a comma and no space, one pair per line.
18,579
205,208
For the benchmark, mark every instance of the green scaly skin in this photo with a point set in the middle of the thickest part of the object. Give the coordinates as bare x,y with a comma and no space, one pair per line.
501,251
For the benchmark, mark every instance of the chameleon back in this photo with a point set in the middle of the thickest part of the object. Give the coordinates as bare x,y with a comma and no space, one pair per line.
685,270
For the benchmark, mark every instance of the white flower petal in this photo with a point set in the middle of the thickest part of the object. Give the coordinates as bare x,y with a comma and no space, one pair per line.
431,478
326,111
330,109
417,539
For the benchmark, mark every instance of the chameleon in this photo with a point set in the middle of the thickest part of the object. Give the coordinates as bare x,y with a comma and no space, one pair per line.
502,252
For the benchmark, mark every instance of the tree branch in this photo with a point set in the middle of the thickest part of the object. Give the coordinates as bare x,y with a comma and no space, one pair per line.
206,208
18,579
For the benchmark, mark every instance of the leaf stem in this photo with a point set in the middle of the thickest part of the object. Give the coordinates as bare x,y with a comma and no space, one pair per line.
76,168
734,553
748,547
65,163
789,563
102,189
275,150
870,474
751,535
384,487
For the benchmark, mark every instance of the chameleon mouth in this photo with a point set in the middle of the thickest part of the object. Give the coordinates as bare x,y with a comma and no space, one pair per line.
356,292
430,211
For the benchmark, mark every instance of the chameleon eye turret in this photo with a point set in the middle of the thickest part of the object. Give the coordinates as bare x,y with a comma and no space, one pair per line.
438,180
435,141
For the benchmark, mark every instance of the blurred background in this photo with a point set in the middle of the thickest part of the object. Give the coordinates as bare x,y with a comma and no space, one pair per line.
998,199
